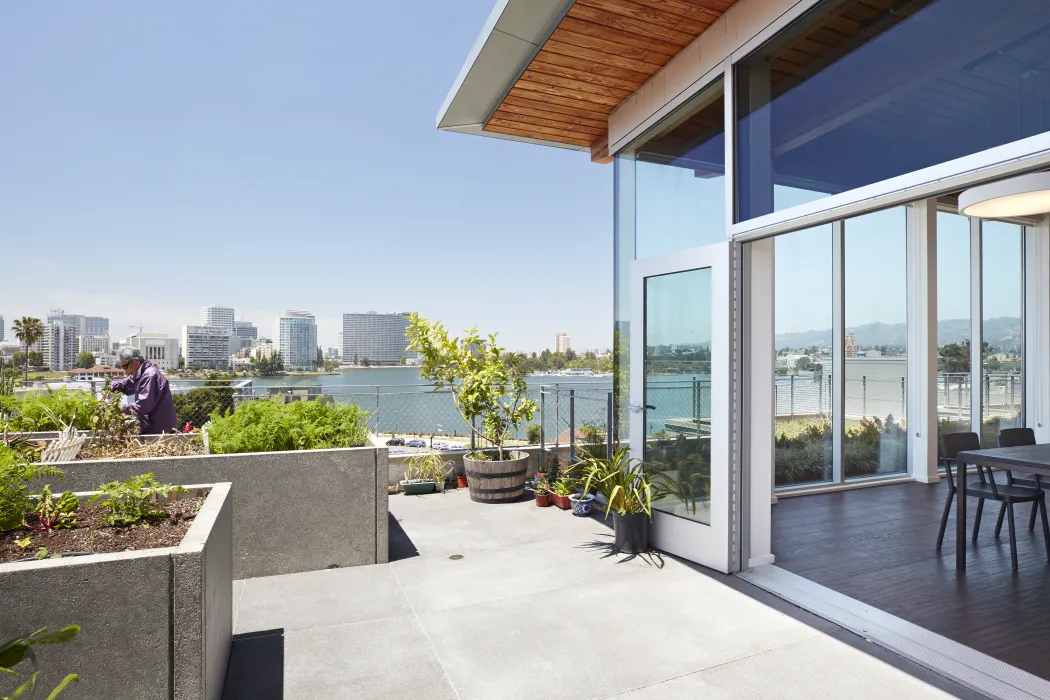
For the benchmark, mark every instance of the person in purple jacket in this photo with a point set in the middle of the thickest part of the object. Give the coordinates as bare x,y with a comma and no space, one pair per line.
152,405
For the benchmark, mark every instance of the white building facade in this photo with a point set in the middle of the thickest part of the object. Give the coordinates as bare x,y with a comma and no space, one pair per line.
218,317
296,334
159,348
562,343
206,347
378,338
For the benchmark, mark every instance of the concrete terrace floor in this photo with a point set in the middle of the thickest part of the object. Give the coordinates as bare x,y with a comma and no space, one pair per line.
536,606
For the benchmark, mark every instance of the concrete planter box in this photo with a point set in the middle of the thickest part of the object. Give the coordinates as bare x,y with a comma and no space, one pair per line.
156,624
344,491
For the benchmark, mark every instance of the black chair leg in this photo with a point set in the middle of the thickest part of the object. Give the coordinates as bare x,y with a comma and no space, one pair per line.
1013,536
944,518
1046,528
977,518
1031,518
999,522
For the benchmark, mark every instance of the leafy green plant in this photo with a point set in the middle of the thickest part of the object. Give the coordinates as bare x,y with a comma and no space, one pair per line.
15,651
275,426
16,475
197,404
51,410
485,381
132,502
54,513
533,433
541,487
426,466
622,480
564,486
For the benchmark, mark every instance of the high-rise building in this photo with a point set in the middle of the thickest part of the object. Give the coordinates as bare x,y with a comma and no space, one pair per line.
378,338
296,335
206,346
1,329
217,317
562,343
94,325
59,345
333,353
95,344
852,350
159,348
245,329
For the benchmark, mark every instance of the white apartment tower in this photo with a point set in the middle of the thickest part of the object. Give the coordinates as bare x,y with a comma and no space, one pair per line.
217,317
296,335
206,346
378,338
60,345
561,342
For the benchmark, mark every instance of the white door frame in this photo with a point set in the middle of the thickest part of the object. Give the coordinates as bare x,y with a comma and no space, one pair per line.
708,545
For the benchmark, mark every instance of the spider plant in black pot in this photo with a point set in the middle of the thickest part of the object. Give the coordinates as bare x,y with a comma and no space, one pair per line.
628,492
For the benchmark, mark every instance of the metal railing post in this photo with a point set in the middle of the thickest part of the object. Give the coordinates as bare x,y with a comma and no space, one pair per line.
377,411
609,426
792,395
473,435
543,422
904,397
572,426
864,396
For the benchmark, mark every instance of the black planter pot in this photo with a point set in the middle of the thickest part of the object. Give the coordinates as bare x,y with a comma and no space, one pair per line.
632,532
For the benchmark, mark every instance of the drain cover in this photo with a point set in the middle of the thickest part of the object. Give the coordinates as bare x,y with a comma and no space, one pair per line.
456,557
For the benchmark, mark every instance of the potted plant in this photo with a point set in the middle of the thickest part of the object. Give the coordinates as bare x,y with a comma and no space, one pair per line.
486,384
560,492
542,491
423,472
581,503
628,492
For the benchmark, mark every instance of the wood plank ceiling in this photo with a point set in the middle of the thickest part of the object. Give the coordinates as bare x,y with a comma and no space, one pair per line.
600,53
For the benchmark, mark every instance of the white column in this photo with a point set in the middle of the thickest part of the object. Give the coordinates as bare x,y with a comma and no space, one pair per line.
759,360
976,327
1037,329
922,341
838,361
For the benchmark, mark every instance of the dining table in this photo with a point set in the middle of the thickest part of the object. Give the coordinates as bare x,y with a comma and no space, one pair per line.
1027,459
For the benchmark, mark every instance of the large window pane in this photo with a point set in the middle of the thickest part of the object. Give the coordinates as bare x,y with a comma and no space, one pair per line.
953,324
678,389
803,308
623,255
1002,386
856,92
876,348
680,178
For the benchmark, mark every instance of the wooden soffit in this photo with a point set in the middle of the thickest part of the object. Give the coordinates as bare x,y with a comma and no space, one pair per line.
599,54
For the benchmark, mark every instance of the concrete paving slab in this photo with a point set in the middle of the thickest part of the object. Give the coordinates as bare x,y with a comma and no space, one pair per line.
387,659
480,576
319,598
626,633
821,667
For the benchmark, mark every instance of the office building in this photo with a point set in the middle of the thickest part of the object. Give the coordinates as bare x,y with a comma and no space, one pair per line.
378,338
83,325
206,347
59,345
95,344
296,335
785,171
94,326
561,342
333,353
245,329
2,329
218,317
159,348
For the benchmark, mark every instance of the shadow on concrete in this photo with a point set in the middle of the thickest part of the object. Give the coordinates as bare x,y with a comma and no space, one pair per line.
256,667
399,545
607,548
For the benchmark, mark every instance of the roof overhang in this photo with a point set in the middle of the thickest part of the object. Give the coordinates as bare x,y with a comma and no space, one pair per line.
512,35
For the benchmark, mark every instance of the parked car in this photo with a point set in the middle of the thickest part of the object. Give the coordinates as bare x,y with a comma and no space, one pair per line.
395,442
416,443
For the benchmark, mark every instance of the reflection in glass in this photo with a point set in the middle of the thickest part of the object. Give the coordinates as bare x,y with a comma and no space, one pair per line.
876,347
1002,385
953,324
623,255
678,389
856,92
803,312
680,178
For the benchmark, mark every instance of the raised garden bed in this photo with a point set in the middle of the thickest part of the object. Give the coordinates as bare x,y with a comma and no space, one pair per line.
156,623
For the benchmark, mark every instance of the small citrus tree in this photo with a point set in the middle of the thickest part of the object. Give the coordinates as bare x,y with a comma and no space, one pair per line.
485,382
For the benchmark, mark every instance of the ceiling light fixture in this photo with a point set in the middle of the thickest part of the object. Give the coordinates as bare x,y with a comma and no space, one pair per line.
1018,196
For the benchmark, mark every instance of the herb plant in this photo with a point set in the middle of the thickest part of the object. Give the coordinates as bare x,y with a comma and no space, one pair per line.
15,651
132,502
52,513
51,410
275,426
564,487
485,381
426,466
15,477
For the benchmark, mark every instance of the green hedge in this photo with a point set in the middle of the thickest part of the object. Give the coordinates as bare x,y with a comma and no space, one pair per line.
275,426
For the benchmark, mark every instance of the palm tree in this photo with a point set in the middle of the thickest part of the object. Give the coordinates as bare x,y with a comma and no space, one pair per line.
28,330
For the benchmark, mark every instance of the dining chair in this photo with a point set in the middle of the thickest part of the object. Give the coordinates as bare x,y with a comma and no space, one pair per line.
1017,437
985,488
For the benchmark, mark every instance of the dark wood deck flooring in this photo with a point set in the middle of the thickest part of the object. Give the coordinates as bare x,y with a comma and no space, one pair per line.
878,545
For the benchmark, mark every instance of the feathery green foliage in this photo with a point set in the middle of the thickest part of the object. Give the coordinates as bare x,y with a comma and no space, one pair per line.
15,477
39,410
275,426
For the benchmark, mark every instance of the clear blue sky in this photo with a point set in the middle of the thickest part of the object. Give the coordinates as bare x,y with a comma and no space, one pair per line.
159,157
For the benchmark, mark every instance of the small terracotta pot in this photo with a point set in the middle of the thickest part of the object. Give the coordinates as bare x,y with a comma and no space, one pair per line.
461,481
562,502
543,500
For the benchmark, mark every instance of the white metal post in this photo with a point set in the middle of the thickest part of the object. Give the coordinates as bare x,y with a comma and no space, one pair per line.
1037,329
922,341
976,328
838,361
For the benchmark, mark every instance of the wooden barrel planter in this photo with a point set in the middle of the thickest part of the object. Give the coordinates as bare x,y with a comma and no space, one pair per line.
497,481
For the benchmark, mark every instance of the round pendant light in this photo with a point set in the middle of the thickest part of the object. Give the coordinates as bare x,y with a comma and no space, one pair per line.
1024,195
